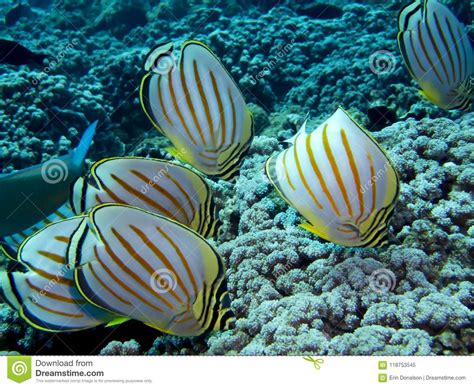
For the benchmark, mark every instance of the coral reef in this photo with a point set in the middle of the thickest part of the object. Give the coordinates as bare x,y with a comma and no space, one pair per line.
294,294
291,292
117,348
15,334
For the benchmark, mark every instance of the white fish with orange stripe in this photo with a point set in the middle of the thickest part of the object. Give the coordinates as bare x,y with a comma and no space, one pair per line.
120,255
340,180
159,186
198,106
46,295
438,54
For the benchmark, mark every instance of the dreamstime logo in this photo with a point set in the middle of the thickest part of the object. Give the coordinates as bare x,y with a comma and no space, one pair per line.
317,362
19,368
382,281
165,63
373,180
163,281
153,181
282,52
54,171
382,62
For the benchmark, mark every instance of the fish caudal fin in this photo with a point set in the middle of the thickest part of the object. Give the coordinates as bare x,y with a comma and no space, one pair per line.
79,154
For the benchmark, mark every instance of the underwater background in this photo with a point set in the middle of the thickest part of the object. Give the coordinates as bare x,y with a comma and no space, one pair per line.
292,293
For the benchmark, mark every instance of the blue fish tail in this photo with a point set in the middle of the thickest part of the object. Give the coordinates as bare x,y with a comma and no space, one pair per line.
79,154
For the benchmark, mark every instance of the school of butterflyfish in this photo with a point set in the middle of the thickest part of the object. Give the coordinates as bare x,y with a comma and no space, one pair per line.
127,240
133,247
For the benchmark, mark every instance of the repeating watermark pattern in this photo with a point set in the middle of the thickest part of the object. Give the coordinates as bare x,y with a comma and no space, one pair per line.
316,361
282,271
54,171
282,52
160,174
466,89
382,62
35,298
56,62
163,281
19,368
154,180
165,63
373,180
382,281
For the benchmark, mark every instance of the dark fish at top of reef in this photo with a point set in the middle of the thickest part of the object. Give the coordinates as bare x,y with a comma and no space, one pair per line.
380,116
320,11
15,14
13,53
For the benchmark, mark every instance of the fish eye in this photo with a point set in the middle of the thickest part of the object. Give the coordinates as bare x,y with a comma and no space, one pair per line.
164,63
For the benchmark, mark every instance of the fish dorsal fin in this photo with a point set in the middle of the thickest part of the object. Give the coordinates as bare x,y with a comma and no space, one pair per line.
163,52
410,16
301,131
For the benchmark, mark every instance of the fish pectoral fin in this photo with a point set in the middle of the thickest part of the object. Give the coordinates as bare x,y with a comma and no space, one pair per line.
318,232
117,321
173,151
